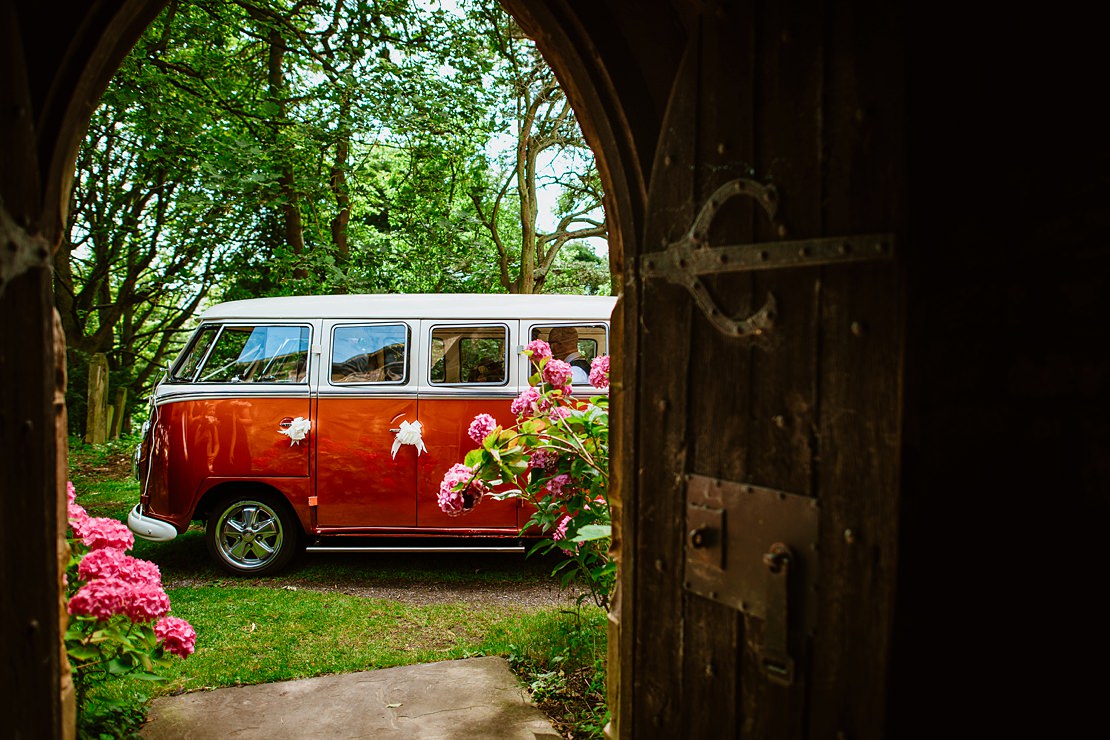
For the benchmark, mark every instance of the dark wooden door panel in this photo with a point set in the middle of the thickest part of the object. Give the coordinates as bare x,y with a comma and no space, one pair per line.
808,404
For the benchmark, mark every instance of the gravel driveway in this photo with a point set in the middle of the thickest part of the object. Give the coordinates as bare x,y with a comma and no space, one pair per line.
511,580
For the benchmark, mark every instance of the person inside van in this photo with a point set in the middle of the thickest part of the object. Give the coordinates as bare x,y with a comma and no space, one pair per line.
487,371
564,346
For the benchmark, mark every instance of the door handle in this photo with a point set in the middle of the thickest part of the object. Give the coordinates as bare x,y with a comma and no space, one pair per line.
296,429
408,434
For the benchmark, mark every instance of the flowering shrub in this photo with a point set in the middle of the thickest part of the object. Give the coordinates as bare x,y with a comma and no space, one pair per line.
555,457
118,622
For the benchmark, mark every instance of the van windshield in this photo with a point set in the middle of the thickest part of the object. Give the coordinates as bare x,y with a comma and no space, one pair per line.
186,369
251,354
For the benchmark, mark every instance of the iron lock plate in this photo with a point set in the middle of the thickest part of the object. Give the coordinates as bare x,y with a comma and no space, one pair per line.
731,528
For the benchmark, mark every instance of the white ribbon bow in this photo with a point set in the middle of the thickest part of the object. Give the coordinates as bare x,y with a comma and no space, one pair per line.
409,434
296,430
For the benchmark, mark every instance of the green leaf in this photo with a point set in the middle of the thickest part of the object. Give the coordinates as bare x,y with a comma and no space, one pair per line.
144,676
121,665
591,532
493,439
83,652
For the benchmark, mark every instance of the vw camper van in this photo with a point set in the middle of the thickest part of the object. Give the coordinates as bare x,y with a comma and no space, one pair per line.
328,422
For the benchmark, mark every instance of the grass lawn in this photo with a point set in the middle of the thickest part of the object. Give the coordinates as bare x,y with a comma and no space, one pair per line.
316,618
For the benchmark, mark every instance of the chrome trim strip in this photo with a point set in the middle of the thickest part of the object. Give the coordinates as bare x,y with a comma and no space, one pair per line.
360,394
518,548
193,395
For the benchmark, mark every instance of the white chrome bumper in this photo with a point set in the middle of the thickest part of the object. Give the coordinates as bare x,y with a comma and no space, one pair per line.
154,530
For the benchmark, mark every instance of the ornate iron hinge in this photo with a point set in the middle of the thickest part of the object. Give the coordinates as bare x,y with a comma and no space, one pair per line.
683,261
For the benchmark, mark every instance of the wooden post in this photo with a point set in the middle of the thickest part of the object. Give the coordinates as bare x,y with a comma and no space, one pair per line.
61,440
96,420
34,698
117,412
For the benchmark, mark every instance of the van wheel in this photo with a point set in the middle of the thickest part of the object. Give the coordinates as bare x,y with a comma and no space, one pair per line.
252,534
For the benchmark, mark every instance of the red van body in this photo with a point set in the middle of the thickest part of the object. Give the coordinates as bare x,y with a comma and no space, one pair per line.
322,419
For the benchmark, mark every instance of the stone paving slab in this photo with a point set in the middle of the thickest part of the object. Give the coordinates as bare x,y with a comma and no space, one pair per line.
472,698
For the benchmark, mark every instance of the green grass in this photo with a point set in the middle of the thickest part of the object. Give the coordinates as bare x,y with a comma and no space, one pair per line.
301,623
256,635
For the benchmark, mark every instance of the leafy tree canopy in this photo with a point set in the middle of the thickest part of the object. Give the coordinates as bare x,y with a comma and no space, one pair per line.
268,147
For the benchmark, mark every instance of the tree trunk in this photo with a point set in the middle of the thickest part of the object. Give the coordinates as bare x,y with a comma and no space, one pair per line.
118,411
290,203
339,186
96,421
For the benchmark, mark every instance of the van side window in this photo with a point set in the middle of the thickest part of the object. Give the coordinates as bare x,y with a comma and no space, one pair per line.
187,368
258,354
592,339
469,354
369,354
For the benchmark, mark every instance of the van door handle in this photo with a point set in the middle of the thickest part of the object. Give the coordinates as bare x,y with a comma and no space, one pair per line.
286,422
408,434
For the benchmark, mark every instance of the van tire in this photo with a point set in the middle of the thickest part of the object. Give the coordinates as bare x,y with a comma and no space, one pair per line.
252,534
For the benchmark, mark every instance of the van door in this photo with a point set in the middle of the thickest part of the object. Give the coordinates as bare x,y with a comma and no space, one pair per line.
467,368
577,343
366,392
234,391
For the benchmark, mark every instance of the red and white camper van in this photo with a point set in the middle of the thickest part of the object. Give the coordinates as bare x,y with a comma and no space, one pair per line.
326,420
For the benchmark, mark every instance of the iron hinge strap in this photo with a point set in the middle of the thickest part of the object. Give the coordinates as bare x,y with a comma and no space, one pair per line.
683,261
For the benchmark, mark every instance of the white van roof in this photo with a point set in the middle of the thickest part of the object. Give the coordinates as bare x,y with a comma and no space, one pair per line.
418,306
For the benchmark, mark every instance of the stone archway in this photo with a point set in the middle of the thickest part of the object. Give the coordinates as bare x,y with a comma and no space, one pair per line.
53,68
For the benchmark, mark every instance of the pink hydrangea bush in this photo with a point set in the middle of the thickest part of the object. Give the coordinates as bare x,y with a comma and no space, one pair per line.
555,458
113,602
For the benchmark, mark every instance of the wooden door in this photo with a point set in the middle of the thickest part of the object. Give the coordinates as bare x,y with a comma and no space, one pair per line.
767,384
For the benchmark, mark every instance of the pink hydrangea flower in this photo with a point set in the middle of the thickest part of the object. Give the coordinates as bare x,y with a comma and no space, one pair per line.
542,460
104,532
540,350
100,598
560,532
141,571
529,402
108,562
78,519
455,502
556,484
104,597
560,412
177,636
71,491
560,535
599,372
481,427
145,602
557,373
598,504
